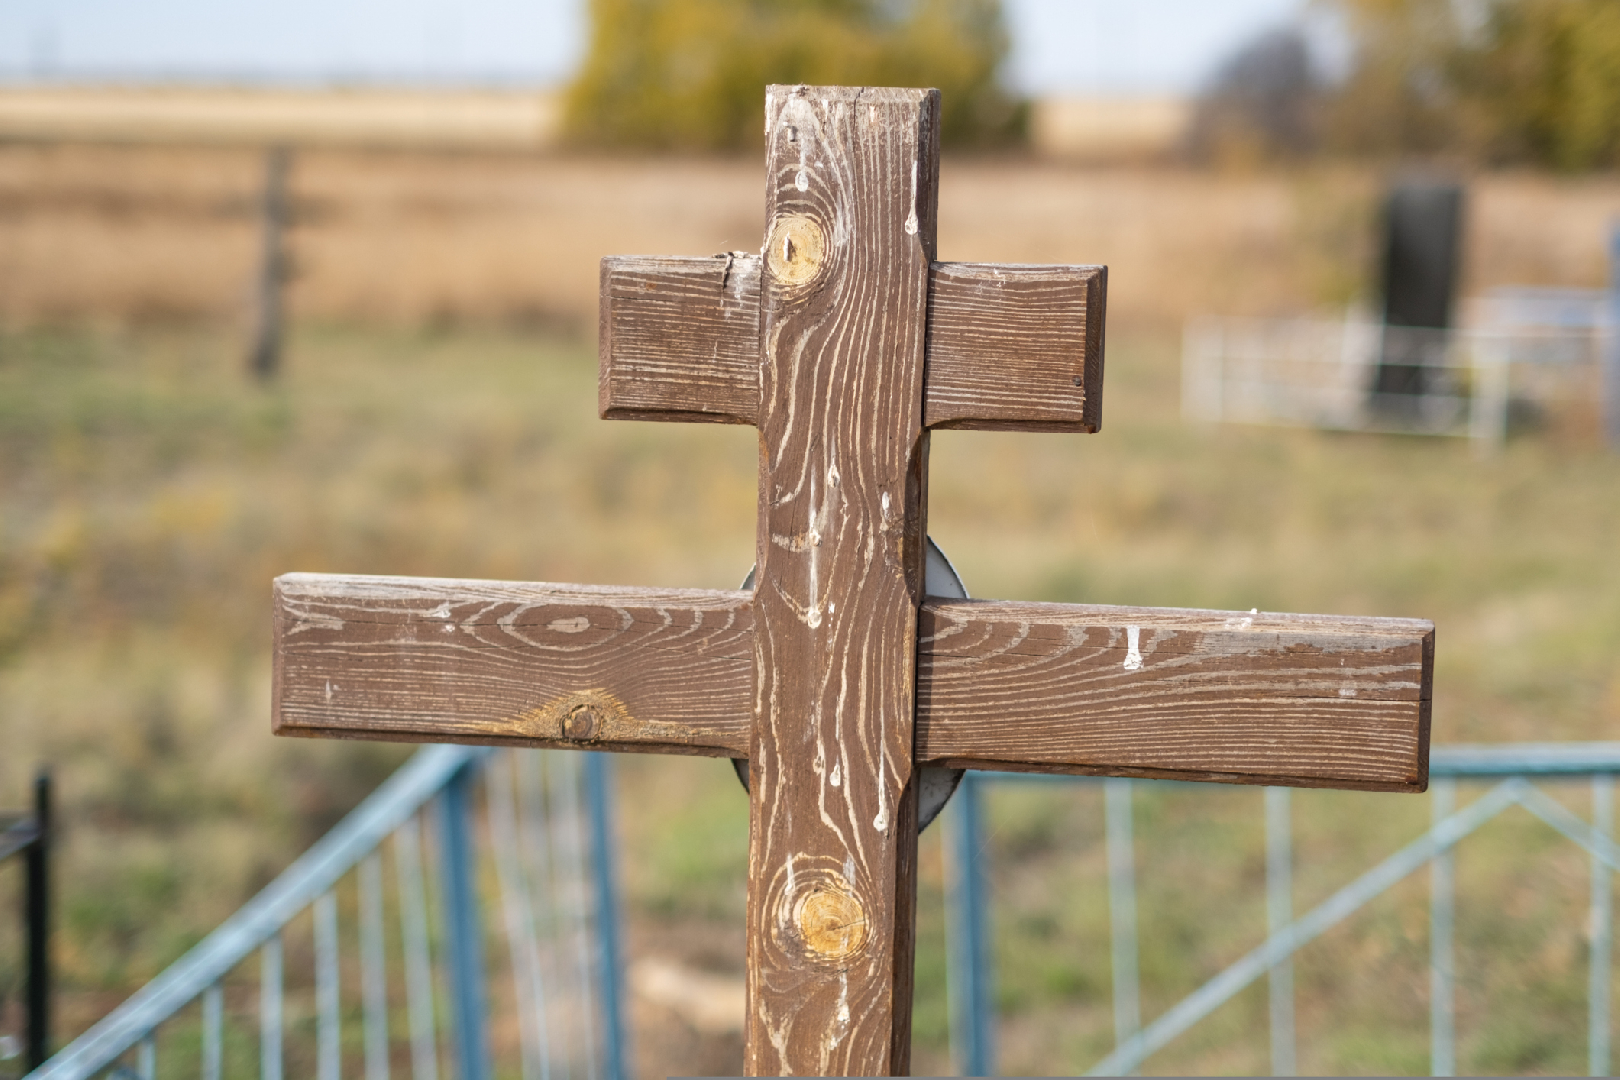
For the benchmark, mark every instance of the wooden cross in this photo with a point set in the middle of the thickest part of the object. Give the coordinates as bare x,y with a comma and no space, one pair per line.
844,343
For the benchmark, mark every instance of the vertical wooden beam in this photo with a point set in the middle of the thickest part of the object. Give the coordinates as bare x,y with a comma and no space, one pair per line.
852,176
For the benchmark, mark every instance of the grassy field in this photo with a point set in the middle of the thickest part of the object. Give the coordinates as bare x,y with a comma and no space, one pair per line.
148,493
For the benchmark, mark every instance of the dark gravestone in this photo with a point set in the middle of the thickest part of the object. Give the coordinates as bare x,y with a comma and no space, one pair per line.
1422,233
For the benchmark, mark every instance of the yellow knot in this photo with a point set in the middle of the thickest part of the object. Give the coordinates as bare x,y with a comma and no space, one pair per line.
796,250
831,922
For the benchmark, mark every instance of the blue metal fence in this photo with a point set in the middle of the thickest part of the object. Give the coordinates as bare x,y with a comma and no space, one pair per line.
558,921
1515,768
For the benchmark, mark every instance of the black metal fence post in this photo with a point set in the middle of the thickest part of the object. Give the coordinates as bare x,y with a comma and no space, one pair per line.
39,926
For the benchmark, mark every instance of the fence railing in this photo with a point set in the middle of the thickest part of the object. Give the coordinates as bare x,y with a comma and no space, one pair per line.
29,836
1514,767
1546,351
546,853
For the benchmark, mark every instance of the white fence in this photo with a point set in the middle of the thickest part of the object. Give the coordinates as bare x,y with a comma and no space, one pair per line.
1547,350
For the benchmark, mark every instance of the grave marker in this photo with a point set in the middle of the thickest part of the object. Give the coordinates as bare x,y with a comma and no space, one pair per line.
844,343
1422,235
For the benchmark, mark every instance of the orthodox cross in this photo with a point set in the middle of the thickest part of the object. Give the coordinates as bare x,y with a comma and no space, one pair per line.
844,343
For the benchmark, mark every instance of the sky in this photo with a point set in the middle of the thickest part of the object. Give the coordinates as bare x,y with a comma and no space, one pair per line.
1085,46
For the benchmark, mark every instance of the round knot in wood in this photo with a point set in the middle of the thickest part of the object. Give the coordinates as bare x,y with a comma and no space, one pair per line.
796,250
832,923
581,723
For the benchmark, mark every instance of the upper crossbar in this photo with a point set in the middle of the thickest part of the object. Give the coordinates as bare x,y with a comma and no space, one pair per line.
1009,347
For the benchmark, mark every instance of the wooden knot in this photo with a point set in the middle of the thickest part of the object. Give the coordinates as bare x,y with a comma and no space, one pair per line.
796,250
831,922
582,716
581,723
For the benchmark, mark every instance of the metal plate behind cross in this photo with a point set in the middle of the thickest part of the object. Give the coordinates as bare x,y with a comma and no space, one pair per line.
934,785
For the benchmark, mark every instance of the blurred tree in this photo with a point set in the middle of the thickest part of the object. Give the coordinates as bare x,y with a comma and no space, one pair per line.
1400,94
1262,103
691,74
1543,84
1533,81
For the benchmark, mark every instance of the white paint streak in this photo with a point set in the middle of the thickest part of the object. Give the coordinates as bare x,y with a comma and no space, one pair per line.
440,612
1347,691
881,822
837,777
1133,651
812,615
911,218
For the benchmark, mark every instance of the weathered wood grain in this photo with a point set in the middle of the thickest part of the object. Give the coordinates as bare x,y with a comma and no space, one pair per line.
843,342
851,181
679,339
1312,701
1264,699
436,660
1015,348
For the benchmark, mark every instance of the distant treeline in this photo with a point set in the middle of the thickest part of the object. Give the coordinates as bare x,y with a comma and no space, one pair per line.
1492,81
691,74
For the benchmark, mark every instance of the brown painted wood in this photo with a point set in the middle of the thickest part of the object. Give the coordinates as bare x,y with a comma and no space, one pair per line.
432,660
851,180
1014,348
1307,701
844,343
1297,700
679,339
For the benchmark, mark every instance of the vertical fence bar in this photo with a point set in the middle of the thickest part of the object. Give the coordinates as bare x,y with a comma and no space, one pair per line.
464,942
527,985
536,850
1122,908
373,967
973,1021
1611,344
328,1033
1279,913
146,1058
39,926
270,1009
1442,888
1597,1037
1490,366
598,794
413,932
570,868
213,1034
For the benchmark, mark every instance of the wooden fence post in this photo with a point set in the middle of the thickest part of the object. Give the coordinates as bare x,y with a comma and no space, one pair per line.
265,358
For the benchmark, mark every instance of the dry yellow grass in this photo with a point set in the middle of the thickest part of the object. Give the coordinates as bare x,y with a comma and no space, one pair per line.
148,493
401,238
